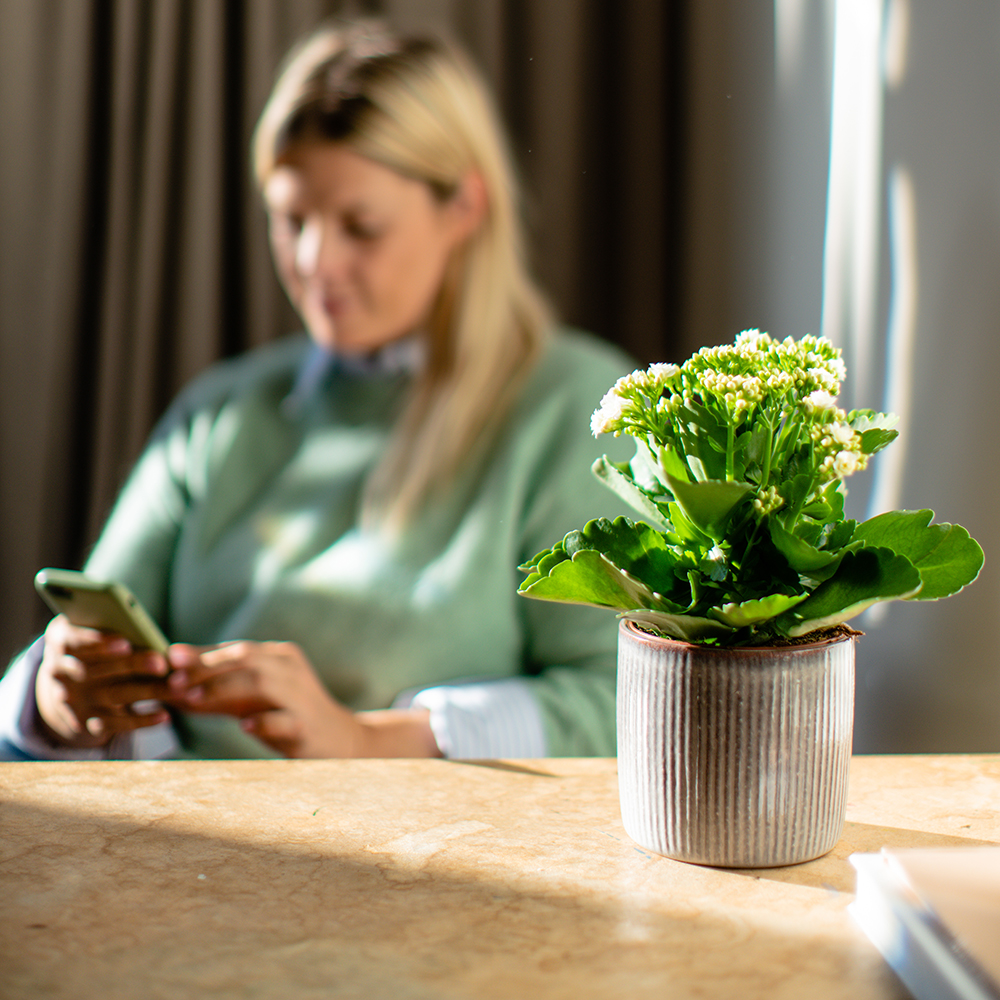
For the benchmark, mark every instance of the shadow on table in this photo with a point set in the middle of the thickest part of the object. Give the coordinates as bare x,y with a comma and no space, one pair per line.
97,905
506,765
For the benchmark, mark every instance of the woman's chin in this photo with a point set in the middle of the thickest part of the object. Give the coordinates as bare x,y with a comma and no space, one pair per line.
344,339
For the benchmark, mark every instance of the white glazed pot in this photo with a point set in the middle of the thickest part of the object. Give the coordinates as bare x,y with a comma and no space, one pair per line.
734,757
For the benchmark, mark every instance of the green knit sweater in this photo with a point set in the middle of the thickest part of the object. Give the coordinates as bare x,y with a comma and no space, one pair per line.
239,522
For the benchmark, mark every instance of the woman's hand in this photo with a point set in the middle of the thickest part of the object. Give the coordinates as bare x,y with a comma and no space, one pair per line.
89,683
273,690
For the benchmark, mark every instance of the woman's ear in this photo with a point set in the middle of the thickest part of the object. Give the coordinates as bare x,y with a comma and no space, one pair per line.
470,203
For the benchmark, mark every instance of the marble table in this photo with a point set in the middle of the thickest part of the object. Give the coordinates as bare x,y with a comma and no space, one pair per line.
421,879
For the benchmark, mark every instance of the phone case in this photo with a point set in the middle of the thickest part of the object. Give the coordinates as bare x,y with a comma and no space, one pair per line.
104,605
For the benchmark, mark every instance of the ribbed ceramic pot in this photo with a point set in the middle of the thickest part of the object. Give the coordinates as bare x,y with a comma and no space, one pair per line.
734,757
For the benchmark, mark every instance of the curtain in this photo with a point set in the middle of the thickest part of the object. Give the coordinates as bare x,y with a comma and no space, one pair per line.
132,245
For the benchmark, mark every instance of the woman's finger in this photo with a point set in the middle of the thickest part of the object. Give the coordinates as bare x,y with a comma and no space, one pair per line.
125,718
104,666
240,678
236,691
109,700
84,642
123,695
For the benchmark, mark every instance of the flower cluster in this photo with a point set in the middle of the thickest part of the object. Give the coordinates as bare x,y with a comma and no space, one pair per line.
753,372
626,404
756,394
838,447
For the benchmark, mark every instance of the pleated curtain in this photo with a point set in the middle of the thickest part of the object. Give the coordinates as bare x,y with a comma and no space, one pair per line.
132,244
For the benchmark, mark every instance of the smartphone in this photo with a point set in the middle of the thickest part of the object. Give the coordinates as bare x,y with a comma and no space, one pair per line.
99,604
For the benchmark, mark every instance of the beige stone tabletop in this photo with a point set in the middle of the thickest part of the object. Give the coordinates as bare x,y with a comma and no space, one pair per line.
420,879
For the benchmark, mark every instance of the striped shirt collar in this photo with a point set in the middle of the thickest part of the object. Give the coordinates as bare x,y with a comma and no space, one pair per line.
407,355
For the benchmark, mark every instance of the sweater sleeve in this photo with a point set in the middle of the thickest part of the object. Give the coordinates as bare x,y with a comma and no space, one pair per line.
137,543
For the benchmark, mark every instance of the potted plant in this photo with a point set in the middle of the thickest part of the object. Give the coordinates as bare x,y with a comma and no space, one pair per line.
736,668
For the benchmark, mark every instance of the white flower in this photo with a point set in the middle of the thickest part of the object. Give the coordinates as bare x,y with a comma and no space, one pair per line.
663,371
751,342
819,402
649,382
606,417
824,379
843,434
845,463
636,380
715,563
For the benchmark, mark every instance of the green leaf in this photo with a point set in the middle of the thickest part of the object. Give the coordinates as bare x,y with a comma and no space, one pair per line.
801,556
607,564
687,628
703,435
714,564
633,545
754,612
795,491
863,420
864,577
875,429
552,555
755,441
671,464
621,482
946,556
875,440
830,508
585,579
839,534
688,533
709,504
809,531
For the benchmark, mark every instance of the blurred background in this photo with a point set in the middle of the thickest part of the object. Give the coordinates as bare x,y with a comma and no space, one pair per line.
693,167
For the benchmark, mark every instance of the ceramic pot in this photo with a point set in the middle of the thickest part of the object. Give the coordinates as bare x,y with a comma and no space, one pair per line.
734,757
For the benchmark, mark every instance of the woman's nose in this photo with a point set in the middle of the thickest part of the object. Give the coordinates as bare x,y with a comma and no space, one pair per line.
320,250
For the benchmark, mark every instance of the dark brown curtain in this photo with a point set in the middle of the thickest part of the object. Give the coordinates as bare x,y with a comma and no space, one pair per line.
132,245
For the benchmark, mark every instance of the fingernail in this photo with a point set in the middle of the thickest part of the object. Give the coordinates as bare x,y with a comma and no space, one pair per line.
180,657
177,681
196,694
155,664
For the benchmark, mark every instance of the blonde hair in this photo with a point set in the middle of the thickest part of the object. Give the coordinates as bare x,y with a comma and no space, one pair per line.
416,105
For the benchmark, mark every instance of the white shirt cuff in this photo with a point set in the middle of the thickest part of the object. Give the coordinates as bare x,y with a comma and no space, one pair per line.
478,720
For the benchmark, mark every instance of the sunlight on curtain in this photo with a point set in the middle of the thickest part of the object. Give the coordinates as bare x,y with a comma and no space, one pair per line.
901,339
900,362
789,23
850,264
870,57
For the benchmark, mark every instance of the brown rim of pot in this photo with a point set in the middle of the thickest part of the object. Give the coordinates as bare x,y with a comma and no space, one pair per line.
836,633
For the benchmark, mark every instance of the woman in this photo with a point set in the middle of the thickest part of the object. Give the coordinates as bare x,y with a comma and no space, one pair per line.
332,524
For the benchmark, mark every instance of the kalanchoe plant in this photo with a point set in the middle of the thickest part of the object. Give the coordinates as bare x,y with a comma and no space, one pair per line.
741,454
